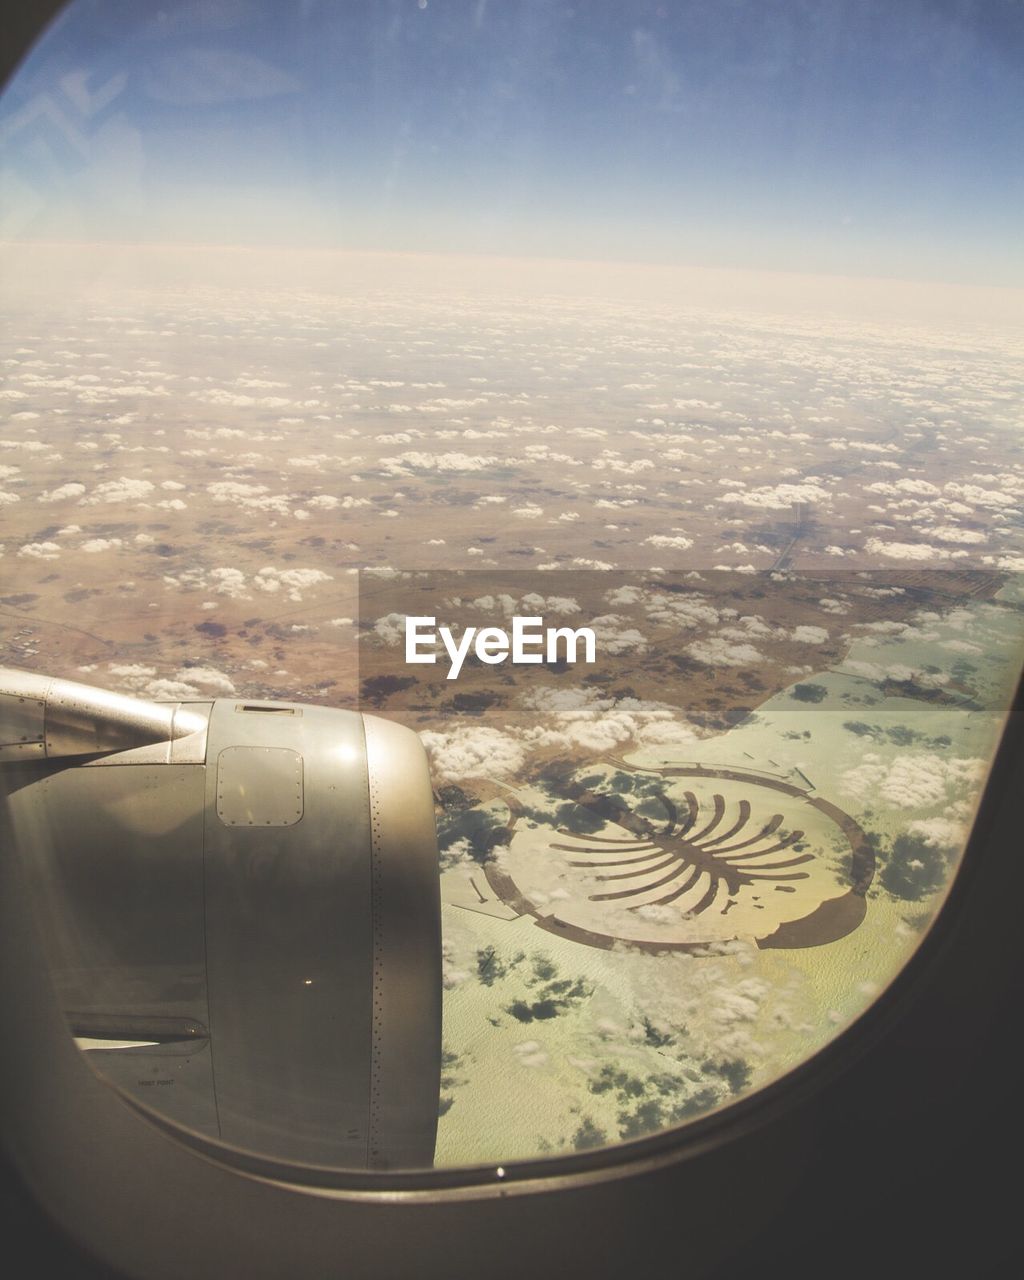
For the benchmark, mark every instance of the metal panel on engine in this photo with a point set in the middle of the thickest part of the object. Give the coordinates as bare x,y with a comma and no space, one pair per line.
259,787
288,927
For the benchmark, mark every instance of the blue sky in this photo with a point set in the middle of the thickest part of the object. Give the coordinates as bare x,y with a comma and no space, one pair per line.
863,137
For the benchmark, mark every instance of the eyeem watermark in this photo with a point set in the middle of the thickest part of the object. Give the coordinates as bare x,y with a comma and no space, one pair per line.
529,641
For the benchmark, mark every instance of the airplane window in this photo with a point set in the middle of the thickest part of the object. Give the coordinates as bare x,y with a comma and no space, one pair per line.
512,548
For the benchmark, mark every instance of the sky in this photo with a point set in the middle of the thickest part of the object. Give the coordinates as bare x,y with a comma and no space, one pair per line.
846,137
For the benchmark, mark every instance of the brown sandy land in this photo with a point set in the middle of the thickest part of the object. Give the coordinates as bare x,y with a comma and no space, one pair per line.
211,533
710,698
430,506
69,625
683,489
85,609
207,533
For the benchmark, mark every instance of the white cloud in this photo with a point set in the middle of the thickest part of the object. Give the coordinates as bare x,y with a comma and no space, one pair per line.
473,752
951,533
912,780
65,491
616,464
444,462
624,595
164,690
809,635
251,497
614,636
896,671
898,488
994,499
905,550
310,462
548,604
123,490
207,679
581,718
677,542
293,581
40,550
689,611
132,676
777,497
237,399
530,1054
940,832
229,581
717,652
391,628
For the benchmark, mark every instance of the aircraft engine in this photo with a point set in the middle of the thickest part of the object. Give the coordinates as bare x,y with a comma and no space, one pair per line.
241,905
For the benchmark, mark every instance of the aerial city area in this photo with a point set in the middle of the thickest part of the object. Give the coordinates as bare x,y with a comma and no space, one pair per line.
774,467
668,873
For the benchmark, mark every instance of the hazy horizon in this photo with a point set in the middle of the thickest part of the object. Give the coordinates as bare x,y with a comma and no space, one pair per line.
841,138
34,269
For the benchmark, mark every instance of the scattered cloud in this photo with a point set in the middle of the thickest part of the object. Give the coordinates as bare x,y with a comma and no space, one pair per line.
475,751
913,780
63,493
291,582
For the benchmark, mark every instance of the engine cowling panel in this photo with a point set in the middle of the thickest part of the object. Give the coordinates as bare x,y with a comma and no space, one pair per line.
259,928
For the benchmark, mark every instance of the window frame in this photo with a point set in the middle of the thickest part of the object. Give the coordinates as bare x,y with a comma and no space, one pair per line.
153,1202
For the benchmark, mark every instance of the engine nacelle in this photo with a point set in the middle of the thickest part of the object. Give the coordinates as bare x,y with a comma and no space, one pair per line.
245,897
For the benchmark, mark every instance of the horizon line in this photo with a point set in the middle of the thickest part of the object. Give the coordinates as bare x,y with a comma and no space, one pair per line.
634,264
